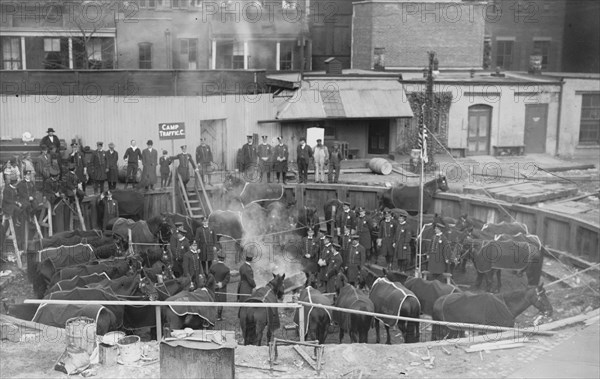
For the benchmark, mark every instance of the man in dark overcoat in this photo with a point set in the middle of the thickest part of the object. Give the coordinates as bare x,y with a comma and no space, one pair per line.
204,158
207,243
249,157
334,267
436,254
246,284
222,276
112,164
149,161
356,260
386,235
265,152
364,230
99,168
402,242
280,160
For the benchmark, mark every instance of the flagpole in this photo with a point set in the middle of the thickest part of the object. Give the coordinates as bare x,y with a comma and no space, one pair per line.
420,230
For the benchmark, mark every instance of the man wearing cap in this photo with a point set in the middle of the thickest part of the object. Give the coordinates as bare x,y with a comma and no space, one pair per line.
72,186
133,156
356,259
27,165
280,160
321,155
335,161
324,257
386,236
303,155
185,161
246,284
11,206
111,208
26,193
265,152
345,221
112,166
249,156
204,158
149,161
402,240
98,168
51,141
191,265
51,188
222,275
165,171
436,261
364,228
310,248
182,245
334,267
45,162
207,243
76,158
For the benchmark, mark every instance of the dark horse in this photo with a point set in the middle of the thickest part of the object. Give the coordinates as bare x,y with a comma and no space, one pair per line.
389,296
486,309
254,320
407,197
349,297
193,317
317,319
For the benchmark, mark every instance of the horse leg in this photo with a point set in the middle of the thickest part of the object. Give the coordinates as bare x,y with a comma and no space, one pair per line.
389,340
341,334
478,280
376,330
499,279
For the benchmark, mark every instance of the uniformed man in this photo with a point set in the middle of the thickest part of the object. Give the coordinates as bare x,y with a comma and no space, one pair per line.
207,243
182,246
204,158
246,284
185,161
99,168
77,160
324,257
310,248
356,260
402,241
436,261
191,265
26,193
222,276
111,208
364,228
280,160
265,152
51,188
385,240
345,221
334,267
249,156
345,242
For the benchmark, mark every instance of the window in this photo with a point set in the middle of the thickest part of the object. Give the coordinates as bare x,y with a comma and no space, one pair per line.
542,48
504,54
11,53
147,4
94,49
145,55
180,4
289,4
51,45
286,55
589,128
238,56
53,57
188,52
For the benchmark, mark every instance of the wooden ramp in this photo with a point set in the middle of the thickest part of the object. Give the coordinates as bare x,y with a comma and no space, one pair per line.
524,193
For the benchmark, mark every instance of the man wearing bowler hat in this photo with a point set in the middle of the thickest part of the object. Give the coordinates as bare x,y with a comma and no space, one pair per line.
303,155
99,168
221,273
149,161
280,159
182,245
265,151
249,156
204,158
386,236
52,141
246,284
112,164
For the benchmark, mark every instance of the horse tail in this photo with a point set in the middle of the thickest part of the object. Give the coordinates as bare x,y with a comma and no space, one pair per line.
250,333
322,324
361,324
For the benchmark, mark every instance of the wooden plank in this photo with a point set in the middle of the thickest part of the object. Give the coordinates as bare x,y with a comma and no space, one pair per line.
260,368
500,347
305,356
569,321
576,261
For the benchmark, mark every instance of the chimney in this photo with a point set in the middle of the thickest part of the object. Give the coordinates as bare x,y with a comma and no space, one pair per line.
333,66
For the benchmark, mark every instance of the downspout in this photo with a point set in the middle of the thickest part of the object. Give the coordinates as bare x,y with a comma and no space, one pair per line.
560,95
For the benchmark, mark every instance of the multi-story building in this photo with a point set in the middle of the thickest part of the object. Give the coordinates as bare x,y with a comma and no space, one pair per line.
581,51
57,34
330,26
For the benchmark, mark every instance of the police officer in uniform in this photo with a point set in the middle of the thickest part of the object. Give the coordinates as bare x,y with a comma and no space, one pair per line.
222,276
324,257
182,245
333,267
385,240
207,243
265,152
356,260
364,230
280,160
246,284
402,241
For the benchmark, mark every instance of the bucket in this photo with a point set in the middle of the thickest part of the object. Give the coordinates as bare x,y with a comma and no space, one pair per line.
111,338
130,349
81,332
108,354
380,166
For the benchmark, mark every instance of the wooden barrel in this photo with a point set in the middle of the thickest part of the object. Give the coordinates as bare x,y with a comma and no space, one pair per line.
123,174
380,166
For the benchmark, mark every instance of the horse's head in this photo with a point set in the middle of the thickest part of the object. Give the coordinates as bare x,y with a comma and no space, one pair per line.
340,282
311,280
442,183
539,299
395,276
367,277
164,231
147,288
277,286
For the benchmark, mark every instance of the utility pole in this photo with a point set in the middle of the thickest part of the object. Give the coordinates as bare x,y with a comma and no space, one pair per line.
429,102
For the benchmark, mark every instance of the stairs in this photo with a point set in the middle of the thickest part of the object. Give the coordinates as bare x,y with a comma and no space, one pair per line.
195,199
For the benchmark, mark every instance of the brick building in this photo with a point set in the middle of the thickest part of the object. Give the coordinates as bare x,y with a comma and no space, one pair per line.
398,33
581,52
330,26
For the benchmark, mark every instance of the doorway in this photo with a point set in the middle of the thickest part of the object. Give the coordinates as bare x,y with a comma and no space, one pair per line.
536,118
379,137
478,139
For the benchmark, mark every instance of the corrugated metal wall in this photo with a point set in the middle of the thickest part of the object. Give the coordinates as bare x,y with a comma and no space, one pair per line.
120,119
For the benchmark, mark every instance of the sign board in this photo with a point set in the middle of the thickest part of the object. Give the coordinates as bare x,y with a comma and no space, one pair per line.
171,130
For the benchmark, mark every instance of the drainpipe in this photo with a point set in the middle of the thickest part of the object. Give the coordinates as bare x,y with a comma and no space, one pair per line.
560,94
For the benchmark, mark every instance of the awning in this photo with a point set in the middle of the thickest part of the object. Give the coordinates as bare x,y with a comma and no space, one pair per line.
352,98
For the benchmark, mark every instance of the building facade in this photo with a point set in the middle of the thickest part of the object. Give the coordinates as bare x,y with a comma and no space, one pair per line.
398,33
330,26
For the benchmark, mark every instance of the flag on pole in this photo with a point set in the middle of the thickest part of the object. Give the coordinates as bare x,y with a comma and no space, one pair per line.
424,142
423,135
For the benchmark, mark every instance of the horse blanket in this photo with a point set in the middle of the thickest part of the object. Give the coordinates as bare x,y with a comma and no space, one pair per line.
65,256
140,232
254,192
266,295
131,203
504,254
428,291
113,269
68,238
313,296
78,281
351,298
57,315
388,297
511,228
474,308
207,313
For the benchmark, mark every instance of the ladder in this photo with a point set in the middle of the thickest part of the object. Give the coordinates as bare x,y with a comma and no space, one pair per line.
75,213
46,218
12,235
195,204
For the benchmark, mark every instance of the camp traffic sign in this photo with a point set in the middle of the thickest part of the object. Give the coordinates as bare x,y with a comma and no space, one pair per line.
171,130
